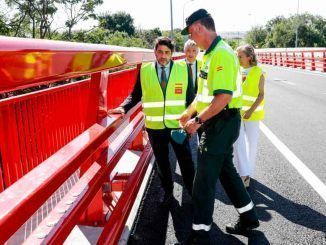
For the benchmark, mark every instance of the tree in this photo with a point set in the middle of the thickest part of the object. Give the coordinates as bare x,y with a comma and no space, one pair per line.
311,30
120,21
149,36
4,28
179,40
36,13
123,39
79,10
280,32
256,36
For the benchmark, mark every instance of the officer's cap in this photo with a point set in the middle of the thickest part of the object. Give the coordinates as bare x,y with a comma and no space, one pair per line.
197,15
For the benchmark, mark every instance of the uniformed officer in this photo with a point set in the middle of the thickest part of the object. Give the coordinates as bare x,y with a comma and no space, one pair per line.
165,92
217,103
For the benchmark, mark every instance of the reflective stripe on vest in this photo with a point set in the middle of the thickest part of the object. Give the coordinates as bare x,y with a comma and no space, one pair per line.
250,89
161,104
163,112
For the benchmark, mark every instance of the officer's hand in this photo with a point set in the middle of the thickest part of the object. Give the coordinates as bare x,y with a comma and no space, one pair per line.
191,126
184,119
118,110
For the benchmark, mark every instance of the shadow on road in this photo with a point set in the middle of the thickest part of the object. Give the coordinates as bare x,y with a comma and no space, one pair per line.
294,212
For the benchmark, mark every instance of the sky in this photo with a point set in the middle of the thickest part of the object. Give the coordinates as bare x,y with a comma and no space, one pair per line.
229,15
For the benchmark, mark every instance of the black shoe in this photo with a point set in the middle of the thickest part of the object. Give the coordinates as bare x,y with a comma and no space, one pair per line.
241,227
200,237
166,199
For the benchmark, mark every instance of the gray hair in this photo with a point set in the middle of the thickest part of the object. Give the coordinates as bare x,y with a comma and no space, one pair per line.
190,43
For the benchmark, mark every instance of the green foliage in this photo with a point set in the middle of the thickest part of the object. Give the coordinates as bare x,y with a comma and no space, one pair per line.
123,39
4,28
280,32
148,36
179,40
119,21
78,10
234,43
36,16
256,36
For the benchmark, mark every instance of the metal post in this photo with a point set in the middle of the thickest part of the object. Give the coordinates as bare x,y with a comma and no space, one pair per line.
296,31
171,34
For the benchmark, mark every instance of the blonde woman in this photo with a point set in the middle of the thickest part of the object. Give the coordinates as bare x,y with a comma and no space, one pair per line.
252,111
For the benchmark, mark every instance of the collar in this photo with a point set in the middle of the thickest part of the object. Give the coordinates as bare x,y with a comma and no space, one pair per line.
213,44
187,61
160,66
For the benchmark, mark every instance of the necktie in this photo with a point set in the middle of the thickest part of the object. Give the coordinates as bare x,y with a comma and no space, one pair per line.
191,74
163,79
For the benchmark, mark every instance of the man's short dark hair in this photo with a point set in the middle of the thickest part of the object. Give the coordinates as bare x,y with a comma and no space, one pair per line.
208,22
164,41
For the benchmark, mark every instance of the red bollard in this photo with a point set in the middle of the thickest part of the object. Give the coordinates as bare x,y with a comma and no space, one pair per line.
303,63
313,62
324,61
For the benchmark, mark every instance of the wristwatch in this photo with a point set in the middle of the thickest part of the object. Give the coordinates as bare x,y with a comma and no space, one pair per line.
198,120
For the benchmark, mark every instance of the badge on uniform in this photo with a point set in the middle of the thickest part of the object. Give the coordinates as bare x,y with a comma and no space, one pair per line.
203,74
178,88
219,68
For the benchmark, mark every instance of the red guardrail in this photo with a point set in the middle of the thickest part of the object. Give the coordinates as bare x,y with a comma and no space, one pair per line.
50,137
313,59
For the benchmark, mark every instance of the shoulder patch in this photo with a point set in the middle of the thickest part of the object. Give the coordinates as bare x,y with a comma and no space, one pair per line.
219,68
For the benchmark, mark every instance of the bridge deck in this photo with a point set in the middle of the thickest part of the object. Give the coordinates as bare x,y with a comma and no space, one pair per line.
290,210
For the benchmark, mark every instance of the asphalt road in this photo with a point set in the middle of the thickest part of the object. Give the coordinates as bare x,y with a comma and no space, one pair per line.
290,210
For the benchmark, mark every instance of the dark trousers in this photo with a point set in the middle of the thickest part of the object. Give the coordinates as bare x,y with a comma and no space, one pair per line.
215,161
160,139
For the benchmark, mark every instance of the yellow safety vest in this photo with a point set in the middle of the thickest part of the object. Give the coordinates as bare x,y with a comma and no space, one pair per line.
161,112
250,90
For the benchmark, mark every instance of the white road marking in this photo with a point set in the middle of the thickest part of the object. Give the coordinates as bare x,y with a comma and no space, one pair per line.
284,81
303,170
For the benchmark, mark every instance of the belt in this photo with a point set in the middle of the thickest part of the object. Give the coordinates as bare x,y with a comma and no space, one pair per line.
231,111
225,114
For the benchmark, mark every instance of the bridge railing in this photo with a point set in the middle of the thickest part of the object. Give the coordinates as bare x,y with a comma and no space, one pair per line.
59,152
313,59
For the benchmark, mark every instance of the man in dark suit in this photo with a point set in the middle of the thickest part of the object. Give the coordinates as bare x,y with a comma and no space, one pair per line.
164,89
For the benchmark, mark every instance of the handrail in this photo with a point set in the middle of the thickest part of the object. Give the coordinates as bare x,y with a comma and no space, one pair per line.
16,207
112,232
313,59
25,62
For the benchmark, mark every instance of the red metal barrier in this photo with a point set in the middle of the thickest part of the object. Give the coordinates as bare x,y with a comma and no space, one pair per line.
49,136
313,59
31,129
38,116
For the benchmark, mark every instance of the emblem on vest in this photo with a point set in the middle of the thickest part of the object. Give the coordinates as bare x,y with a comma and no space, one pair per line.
203,74
178,88
219,68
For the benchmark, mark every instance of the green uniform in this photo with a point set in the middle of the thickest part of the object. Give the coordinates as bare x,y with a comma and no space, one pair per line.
220,74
